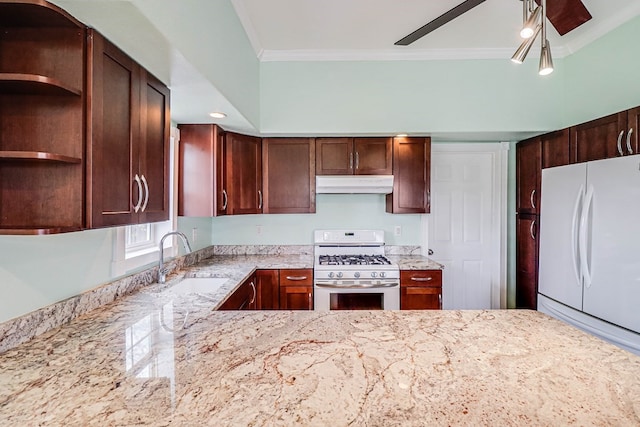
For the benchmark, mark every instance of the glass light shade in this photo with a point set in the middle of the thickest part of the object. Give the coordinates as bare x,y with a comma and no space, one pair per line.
528,29
546,62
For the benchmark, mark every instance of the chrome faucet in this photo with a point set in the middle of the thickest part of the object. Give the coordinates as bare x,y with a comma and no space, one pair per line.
162,272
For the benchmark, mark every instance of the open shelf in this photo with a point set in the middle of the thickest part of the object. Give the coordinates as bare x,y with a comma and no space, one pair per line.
16,83
36,231
38,155
34,13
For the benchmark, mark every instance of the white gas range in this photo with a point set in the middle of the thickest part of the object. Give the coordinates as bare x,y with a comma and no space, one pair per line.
351,271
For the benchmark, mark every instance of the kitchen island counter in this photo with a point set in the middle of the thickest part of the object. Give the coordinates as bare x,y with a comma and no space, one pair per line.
158,357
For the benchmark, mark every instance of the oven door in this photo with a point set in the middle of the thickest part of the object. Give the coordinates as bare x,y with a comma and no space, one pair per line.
356,295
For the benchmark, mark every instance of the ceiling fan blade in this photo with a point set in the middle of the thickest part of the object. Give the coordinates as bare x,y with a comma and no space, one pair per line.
463,7
566,15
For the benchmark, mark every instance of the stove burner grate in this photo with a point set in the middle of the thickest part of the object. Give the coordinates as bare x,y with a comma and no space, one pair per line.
353,260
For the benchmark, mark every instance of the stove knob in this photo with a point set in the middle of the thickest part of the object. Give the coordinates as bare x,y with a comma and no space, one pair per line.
339,274
356,274
383,274
331,274
374,274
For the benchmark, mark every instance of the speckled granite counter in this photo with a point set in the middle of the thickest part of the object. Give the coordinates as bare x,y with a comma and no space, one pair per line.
160,357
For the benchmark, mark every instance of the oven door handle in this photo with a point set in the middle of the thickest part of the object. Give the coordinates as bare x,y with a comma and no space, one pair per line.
357,286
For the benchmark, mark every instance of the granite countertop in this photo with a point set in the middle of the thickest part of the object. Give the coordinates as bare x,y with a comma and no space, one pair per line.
162,357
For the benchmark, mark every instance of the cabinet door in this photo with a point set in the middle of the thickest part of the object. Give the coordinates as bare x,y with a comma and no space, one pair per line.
289,179
201,190
528,167
244,298
411,176
373,156
555,149
154,149
268,284
527,261
296,297
334,156
244,174
599,139
114,187
633,128
421,290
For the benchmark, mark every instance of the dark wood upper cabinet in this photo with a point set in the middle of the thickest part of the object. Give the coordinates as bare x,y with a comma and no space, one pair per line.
633,128
528,168
42,107
289,180
555,149
602,138
244,174
354,156
128,134
201,171
411,176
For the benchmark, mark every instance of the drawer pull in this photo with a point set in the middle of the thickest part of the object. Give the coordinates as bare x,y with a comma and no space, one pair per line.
422,279
296,278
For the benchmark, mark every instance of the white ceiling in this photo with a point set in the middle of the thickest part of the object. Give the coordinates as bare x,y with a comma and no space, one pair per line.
330,30
367,29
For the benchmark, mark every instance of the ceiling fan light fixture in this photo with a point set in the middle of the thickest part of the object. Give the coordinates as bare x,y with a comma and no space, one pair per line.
525,46
528,29
546,61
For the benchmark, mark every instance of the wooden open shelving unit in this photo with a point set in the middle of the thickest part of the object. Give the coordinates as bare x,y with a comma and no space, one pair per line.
42,118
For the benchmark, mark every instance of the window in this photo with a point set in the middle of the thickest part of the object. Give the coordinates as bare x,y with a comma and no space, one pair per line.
137,245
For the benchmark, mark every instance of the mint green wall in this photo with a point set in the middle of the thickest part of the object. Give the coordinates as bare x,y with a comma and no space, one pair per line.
203,231
36,271
332,211
425,97
222,53
602,78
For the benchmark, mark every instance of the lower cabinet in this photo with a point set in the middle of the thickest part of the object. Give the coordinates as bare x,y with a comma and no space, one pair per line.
268,284
244,298
527,248
296,289
421,289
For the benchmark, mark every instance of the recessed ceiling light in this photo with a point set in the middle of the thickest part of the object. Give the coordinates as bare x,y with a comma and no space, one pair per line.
218,115
402,135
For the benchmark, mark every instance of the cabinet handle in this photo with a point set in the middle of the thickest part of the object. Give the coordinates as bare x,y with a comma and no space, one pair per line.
225,200
440,300
310,301
136,208
620,143
146,193
532,198
532,228
629,149
255,293
350,160
259,199
422,279
357,160
296,278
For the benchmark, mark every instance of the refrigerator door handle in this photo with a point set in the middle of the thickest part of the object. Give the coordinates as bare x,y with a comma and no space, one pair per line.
575,241
584,231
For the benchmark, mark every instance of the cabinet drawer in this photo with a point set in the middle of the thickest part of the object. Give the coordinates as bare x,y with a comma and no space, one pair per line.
296,277
423,278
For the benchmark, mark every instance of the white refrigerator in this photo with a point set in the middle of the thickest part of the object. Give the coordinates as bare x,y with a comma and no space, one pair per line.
589,263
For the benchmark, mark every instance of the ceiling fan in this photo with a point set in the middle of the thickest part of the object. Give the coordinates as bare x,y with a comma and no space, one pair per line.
564,15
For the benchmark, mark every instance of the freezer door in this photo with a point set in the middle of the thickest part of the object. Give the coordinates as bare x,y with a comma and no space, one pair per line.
614,250
559,275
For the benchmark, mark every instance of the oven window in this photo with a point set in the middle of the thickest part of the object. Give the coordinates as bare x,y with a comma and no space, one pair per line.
356,301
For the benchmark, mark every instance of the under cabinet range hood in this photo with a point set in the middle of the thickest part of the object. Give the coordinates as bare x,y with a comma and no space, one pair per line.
354,184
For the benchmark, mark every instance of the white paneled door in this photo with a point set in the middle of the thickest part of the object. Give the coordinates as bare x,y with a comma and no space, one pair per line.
466,225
